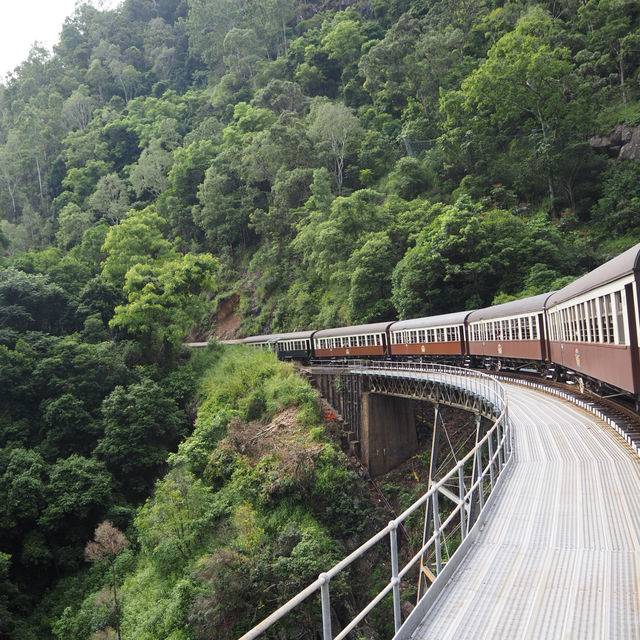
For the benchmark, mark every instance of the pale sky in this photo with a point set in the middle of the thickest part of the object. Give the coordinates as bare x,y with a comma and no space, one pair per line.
22,22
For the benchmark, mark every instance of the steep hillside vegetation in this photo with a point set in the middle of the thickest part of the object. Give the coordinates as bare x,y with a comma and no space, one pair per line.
292,165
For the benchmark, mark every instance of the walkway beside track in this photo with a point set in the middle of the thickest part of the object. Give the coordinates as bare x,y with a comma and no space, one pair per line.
559,553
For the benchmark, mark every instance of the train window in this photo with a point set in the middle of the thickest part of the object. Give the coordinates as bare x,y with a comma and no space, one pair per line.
619,312
608,331
586,331
572,324
596,325
422,335
353,341
584,325
577,329
534,328
378,341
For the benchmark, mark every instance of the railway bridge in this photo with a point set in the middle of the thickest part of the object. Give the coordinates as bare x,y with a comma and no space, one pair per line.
547,506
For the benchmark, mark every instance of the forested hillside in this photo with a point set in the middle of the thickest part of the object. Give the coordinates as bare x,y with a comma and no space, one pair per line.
301,165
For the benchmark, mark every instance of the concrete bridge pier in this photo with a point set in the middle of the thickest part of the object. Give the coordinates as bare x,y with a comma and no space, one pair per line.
388,432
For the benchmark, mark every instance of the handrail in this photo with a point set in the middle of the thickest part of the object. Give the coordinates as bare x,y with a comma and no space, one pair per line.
498,444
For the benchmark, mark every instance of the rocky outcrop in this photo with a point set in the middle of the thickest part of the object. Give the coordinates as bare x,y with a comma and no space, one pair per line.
623,143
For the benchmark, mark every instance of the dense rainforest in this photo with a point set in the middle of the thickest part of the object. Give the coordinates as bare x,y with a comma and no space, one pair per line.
297,165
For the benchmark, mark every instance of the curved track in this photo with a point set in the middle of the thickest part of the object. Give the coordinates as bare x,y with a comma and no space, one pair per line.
559,556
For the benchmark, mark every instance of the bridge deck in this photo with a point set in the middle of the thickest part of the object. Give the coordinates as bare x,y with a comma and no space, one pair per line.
559,557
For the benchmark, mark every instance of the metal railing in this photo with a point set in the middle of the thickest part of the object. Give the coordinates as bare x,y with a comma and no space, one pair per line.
488,459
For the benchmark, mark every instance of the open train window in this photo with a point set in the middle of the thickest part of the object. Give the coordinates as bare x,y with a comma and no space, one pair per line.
607,318
619,312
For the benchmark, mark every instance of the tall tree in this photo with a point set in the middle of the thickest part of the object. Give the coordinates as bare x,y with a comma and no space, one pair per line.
107,544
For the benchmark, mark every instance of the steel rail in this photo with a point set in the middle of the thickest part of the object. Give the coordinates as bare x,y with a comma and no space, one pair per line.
497,459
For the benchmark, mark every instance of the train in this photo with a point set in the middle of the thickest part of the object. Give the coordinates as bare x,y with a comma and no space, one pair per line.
585,334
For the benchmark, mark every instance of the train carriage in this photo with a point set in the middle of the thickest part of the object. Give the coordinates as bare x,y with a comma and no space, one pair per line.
442,335
295,346
262,342
593,323
360,341
512,330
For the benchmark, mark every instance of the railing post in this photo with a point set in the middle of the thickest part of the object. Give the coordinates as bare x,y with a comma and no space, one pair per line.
436,532
395,581
480,477
326,606
490,441
499,436
461,493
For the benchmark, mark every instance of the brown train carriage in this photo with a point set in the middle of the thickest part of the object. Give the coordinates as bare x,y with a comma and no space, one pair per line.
442,335
593,323
512,330
361,341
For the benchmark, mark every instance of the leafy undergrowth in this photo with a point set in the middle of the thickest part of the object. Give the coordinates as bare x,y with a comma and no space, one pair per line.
256,503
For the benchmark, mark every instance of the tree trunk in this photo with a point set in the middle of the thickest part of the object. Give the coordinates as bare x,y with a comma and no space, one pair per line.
115,599
623,86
